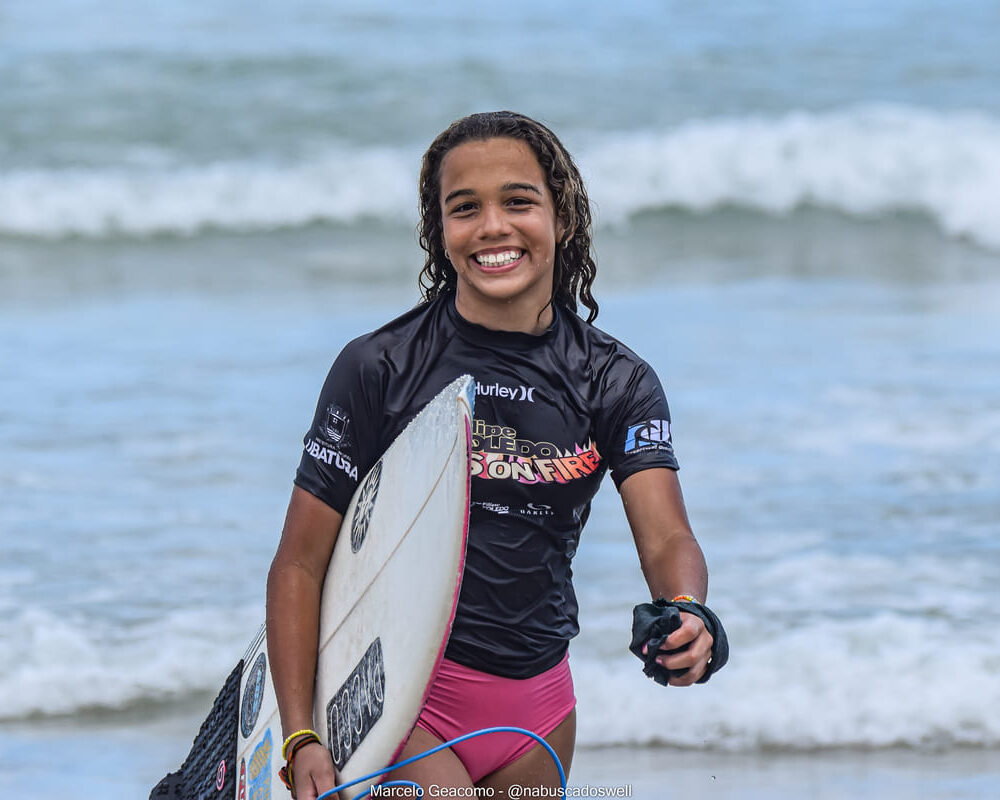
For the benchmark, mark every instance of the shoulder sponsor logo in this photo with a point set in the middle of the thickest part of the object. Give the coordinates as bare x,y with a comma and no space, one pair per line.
496,389
330,456
653,434
335,425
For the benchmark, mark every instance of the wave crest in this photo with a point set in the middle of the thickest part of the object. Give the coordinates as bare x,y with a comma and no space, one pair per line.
870,162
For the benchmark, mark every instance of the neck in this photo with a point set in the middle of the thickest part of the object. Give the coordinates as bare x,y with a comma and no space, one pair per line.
511,316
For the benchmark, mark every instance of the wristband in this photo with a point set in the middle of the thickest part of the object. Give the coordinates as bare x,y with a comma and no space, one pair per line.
301,739
292,737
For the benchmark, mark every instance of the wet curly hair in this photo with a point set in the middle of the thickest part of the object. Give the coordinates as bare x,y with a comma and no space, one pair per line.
575,266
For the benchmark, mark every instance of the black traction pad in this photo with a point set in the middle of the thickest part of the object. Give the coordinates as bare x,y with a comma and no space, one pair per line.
209,771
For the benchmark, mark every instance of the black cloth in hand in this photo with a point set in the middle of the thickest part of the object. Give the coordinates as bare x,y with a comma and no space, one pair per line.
653,622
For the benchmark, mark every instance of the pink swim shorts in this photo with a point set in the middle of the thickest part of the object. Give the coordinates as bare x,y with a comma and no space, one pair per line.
463,700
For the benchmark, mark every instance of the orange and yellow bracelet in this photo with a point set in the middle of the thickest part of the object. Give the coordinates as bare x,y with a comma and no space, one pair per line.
300,740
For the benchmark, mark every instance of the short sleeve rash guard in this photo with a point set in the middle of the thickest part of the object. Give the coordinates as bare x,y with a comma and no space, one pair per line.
553,413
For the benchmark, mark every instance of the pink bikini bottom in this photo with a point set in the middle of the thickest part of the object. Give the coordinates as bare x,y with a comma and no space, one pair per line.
463,700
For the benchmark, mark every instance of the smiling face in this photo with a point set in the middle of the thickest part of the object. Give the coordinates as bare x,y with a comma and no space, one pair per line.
500,232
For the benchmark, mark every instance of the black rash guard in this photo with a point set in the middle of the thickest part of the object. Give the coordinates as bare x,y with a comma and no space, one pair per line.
553,412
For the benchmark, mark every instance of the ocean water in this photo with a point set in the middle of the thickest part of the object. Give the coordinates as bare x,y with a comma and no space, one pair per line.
796,225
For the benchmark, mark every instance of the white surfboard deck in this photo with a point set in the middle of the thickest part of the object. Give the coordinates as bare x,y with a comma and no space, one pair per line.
388,603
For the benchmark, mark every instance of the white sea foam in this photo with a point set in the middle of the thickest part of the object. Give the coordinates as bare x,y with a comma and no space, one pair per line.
884,680
870,162
344,185
53,665
879,680
867,161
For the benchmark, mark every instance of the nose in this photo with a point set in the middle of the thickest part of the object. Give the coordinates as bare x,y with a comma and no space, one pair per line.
493,222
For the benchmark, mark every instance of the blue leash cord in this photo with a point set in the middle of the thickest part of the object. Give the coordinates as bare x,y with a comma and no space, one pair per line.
502,729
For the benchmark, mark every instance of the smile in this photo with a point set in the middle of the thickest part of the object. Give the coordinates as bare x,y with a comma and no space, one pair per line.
500,259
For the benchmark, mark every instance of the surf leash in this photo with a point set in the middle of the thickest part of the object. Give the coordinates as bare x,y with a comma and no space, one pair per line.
483,732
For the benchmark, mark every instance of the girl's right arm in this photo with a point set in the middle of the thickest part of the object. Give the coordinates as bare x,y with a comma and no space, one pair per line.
294,586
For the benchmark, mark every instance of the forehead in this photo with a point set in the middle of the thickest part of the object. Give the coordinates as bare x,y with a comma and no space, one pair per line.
486,164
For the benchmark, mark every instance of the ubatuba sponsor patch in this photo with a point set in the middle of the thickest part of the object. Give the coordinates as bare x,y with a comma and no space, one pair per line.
328,455
335,426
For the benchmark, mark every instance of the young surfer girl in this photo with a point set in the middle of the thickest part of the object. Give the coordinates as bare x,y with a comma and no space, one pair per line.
506,227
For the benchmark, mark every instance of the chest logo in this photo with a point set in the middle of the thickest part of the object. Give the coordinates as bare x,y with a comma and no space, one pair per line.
499,453
520,393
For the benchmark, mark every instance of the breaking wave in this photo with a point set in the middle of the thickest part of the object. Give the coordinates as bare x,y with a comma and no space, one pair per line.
871,162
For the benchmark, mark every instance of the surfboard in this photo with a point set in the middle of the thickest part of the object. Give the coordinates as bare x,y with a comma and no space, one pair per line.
386,612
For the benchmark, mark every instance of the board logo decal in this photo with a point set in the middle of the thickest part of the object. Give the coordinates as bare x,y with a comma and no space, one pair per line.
220,776
243,780
253,695
356,706
259,770
363,510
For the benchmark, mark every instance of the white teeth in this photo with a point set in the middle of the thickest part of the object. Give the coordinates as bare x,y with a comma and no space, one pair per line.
498,259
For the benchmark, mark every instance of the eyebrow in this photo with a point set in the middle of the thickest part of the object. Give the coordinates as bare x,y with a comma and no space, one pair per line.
458,193
507,187
521,187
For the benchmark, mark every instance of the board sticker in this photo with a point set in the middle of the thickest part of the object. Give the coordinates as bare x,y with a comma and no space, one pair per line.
356,706
363,510
259,770
253,695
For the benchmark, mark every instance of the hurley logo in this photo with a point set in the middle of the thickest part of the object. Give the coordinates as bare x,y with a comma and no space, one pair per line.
519,393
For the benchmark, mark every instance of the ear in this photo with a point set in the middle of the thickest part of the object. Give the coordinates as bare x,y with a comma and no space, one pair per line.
562,239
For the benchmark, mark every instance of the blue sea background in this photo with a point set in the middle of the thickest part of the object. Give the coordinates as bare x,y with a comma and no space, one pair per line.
797,224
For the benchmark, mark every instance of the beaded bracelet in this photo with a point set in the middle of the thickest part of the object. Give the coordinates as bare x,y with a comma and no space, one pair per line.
292,737
683,598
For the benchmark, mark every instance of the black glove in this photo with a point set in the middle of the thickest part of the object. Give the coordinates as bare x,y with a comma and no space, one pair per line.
653,622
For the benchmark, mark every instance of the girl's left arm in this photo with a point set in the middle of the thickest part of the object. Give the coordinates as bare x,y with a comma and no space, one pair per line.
671,561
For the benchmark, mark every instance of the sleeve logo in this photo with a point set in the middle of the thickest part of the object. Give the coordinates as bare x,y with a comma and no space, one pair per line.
653,434
330,436
334,427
